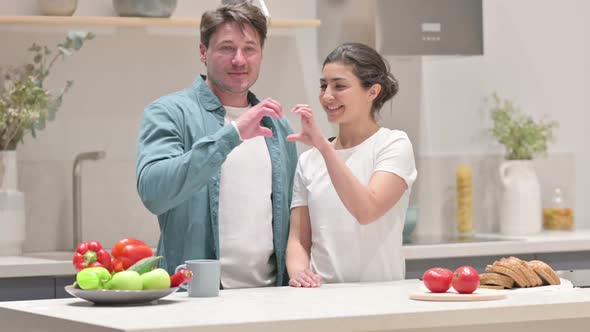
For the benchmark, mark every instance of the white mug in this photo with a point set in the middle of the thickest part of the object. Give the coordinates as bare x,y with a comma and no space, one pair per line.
206,277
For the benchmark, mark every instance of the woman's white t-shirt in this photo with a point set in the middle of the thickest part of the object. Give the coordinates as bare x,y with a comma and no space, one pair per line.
343,250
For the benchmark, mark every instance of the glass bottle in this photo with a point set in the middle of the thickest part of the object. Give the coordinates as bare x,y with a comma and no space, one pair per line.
558,216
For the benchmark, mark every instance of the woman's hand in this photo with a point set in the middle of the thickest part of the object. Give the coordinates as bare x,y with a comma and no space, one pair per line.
310,133
306,279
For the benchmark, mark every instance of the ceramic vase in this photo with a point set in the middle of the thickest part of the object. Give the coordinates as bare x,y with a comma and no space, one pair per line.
145,8
12,207
520,209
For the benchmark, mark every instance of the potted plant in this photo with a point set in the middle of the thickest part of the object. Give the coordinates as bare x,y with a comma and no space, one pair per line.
523,139
26,106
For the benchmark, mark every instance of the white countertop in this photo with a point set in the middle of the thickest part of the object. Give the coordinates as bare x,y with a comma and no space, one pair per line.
545,242
335,307
59,263
23,266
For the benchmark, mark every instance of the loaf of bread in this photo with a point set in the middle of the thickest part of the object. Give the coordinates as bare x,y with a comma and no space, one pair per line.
514,272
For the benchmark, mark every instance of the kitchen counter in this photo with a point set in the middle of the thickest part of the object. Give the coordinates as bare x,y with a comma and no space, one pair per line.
26,266
545,242
59,263
335,307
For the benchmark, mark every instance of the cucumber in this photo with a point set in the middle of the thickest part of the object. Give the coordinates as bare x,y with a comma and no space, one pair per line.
145,264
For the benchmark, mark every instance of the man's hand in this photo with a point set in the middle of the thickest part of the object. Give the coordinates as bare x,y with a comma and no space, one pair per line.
306,279
310,133
249,123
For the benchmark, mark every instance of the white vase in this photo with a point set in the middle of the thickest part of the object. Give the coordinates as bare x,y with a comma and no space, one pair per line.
12,207
12,223
520,210
8,172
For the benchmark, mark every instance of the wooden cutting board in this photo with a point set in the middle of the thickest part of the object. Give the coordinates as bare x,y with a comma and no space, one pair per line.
480,294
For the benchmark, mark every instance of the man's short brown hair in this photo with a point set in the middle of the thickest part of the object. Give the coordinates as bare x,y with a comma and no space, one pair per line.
242,13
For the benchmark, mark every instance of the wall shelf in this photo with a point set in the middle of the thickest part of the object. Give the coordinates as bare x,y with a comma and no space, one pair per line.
117,21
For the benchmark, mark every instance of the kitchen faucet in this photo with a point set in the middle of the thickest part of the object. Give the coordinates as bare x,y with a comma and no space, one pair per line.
77,190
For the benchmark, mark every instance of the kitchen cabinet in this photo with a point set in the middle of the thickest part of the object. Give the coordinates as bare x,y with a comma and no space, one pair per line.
34,288
60,283
577,260
32,278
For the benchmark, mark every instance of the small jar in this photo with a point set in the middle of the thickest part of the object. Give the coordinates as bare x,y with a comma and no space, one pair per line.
558,215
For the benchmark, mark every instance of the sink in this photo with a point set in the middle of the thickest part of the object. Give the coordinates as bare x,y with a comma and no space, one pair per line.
51,255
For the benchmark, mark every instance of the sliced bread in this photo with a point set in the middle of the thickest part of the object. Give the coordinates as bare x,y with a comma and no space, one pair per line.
545,272
528,272
507,269
496,279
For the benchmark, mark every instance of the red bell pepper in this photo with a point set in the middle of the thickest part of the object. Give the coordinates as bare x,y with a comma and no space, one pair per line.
91,254
127,252
180,277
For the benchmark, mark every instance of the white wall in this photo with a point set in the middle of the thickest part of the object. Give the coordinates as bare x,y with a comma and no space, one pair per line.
539,60
538,55
116,75
345,21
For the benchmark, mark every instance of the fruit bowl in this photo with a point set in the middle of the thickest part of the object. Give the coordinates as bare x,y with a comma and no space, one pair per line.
117,297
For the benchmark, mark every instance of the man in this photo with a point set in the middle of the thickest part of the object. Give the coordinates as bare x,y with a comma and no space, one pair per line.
214,164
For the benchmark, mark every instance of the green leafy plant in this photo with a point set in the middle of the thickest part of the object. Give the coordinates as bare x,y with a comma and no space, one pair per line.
25,105
522,137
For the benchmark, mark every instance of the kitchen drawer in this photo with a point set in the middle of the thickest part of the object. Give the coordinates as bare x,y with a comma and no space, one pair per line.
575,260
31,288
60,283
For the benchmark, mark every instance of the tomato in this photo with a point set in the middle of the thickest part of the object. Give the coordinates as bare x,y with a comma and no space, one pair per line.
438,279
465,280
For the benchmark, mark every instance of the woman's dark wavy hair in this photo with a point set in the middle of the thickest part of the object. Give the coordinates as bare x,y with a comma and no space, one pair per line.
369,67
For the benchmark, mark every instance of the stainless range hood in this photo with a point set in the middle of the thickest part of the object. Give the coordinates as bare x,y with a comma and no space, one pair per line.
429,27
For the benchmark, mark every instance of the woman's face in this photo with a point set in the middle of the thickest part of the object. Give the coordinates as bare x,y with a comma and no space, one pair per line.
342,96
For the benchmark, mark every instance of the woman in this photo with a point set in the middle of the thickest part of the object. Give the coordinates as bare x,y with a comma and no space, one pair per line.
350,195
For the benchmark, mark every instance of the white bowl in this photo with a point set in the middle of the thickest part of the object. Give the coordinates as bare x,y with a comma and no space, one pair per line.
58,7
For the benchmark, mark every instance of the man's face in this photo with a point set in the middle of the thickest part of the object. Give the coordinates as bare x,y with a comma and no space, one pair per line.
233,59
